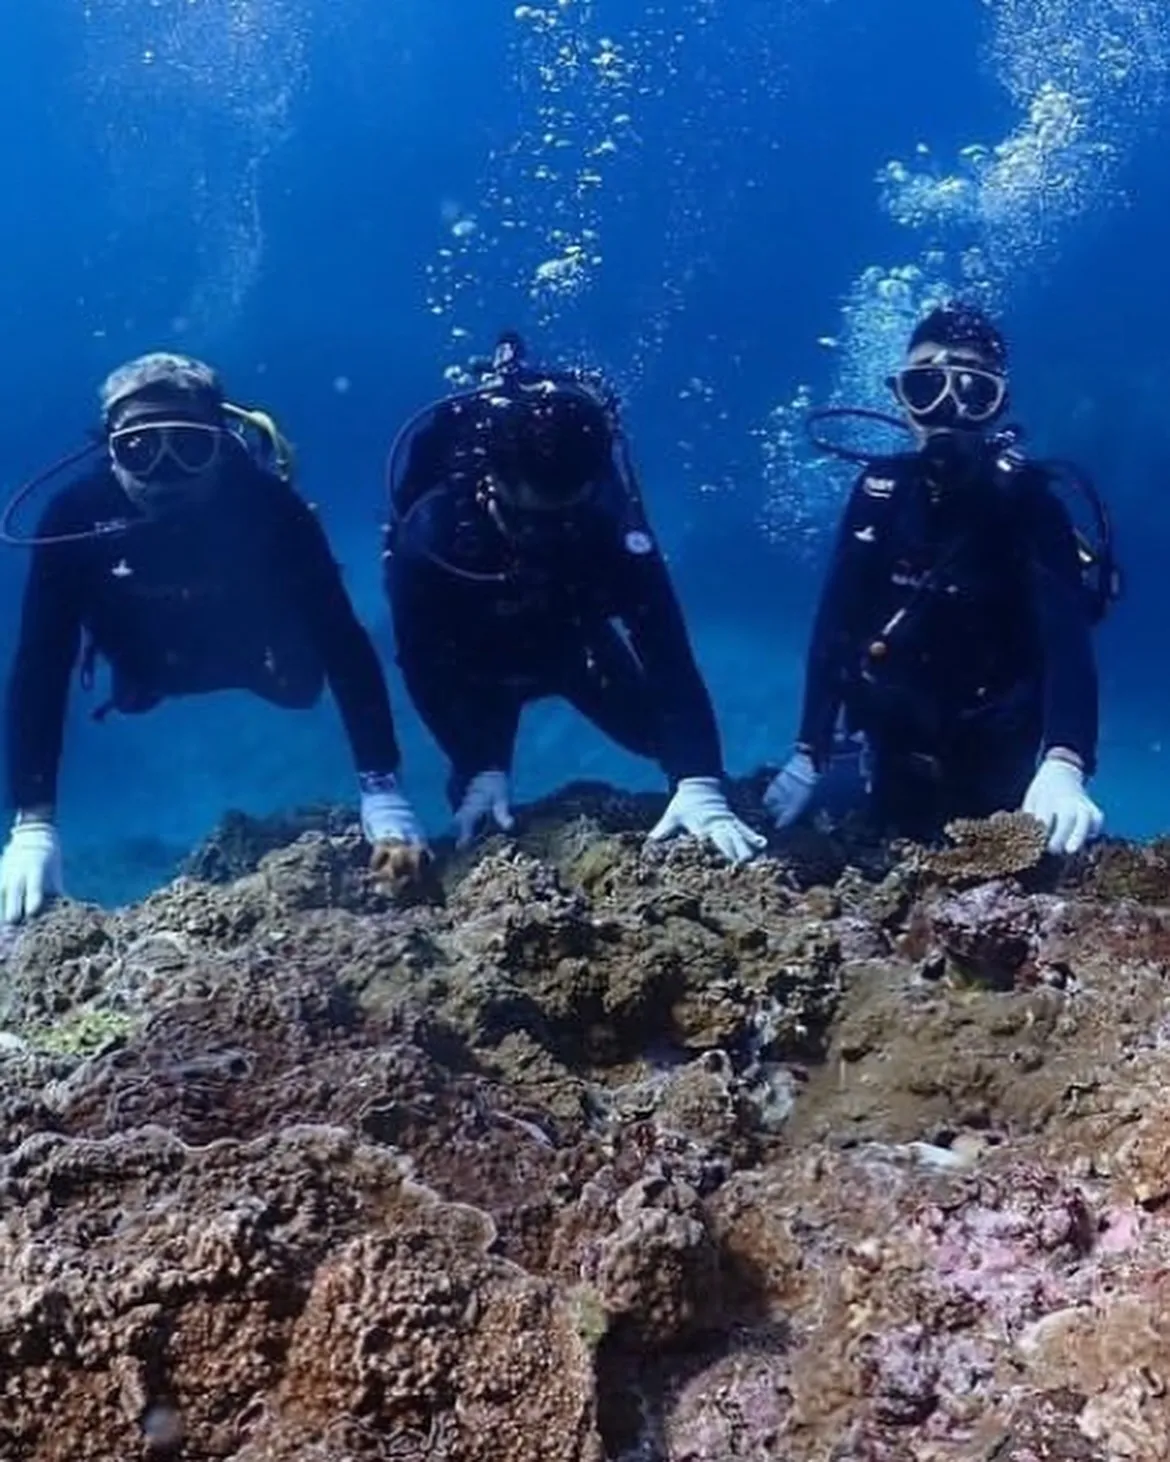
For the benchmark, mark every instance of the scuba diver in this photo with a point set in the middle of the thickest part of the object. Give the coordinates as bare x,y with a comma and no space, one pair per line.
186,559
954,629
520,566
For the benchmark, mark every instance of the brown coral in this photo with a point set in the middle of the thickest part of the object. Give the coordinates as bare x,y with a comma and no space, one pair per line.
238,1279
657,1275
1114,871
1002,846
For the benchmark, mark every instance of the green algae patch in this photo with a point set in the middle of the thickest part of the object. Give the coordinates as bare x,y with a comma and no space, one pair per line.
83,1032
587,1314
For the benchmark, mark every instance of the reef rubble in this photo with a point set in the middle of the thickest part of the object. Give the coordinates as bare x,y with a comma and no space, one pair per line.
593,1152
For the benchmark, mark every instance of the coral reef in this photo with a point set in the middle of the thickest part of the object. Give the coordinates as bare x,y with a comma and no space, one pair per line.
592,1152
1119,871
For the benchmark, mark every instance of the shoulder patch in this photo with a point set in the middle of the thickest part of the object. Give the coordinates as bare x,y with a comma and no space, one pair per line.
639,542
879,487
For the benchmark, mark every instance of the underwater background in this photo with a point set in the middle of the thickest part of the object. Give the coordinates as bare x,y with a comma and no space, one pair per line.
737,208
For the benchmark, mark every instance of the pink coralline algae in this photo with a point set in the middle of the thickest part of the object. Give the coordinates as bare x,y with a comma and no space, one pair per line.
990,933
1014,1247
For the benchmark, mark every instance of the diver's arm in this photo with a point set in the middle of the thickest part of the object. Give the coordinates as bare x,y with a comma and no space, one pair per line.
689,751
38,685
1069,664
689,736
835,629
347,652
473,717
474,723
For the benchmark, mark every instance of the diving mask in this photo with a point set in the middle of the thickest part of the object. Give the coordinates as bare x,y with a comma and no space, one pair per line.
168,463
153,450
950,394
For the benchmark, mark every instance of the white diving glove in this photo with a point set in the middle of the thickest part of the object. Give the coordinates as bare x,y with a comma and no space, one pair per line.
30,869
488,795
387,817
1057,798
699,807
791,789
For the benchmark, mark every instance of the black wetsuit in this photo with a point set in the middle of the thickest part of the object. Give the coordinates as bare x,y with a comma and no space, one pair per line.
242,593
992,662
495,608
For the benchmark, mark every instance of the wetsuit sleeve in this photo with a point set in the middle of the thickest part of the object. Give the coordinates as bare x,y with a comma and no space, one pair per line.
688,735
46,652
1068,661
837,627
347,652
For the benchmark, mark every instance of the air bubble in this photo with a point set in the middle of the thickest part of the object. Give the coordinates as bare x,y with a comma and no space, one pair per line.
225,76
1083,75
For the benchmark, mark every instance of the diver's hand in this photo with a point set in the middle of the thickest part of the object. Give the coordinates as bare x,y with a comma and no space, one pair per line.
791,789
387,817
488,796
1058,799
30,869
699,807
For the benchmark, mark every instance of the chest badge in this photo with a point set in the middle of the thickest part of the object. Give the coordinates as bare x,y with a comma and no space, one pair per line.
122,570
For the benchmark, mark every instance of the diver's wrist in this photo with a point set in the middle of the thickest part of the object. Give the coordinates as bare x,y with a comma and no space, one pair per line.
815,756
41,812
373,782
1066,755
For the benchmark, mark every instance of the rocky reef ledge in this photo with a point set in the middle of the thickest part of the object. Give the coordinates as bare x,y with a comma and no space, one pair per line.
856,1154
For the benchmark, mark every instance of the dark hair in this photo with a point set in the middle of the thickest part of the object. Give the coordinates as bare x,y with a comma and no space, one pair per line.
963,325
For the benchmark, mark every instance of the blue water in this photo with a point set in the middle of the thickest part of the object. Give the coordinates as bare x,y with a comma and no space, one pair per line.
727,203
